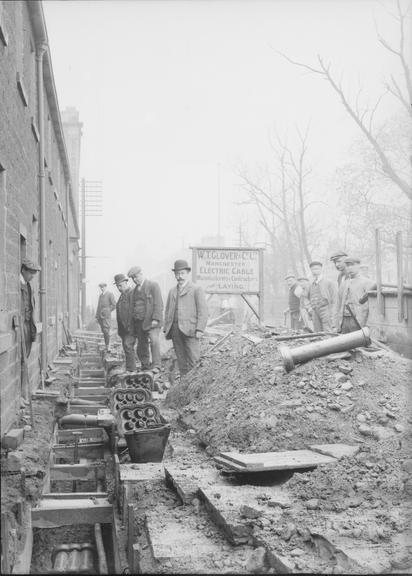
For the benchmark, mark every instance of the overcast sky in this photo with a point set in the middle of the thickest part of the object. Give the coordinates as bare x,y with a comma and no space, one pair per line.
167,90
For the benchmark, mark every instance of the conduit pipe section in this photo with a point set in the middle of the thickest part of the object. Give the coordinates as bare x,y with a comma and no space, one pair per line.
293,356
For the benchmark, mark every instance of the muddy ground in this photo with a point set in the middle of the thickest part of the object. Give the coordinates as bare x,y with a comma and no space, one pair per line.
240,399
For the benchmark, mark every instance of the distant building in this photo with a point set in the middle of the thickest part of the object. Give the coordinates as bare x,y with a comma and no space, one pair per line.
72,128
38,201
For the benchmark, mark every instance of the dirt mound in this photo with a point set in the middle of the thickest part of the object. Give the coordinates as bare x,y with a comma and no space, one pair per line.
241,399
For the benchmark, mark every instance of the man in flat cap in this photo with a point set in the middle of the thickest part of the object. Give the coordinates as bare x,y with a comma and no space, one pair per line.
338,258
353,308
105,307
185,317
124,319
294,295
27,272
323,298
147,315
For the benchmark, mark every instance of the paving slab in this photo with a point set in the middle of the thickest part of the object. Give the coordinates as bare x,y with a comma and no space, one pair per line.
286,460
226,516
169,538
186,486
141,472
335,450
226,504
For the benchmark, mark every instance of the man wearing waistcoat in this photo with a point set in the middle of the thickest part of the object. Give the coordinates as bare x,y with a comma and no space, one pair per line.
124,320
353,308
147,317
28,270
185,317
323,300
105,307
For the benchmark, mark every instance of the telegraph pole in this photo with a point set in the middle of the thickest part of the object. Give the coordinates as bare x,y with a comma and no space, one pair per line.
91,192
83,290
219,216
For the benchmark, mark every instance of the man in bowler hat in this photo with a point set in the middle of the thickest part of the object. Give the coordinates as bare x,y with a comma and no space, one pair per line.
124,319
105,307
185,317
147,316
27,272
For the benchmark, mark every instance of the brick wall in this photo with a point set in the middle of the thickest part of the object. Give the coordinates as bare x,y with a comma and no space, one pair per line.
19,205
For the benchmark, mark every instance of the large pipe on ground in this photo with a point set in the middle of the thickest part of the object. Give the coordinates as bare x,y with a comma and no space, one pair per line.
86,421
101,554
342,343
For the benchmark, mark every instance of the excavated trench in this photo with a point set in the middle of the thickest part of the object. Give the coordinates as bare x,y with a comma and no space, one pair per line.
99,512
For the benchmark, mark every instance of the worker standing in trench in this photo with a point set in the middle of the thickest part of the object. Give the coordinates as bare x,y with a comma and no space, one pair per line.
124,320
185,317
105,307
147,317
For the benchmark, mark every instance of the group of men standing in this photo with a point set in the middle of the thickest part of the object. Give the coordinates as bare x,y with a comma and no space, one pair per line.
139,313
321,305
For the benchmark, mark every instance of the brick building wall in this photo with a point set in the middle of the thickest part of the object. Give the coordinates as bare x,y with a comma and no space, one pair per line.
19,204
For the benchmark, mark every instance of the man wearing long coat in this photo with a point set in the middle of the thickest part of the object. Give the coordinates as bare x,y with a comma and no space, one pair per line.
124,319
185,317
105,307
147,315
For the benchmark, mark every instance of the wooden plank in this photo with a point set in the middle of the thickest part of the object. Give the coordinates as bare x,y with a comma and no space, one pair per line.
90,382
69,434
116,480
92,398
94,450
92,391
399,271
5,564
230,464
287,460
119,555
380,299
71,495
60,472
252,338
85,409
51,513
130,534
335,450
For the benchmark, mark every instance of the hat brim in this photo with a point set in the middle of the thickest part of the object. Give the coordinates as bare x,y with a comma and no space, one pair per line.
121,281
179,269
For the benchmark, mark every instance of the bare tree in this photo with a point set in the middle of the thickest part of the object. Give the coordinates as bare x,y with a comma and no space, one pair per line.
364,119
281,198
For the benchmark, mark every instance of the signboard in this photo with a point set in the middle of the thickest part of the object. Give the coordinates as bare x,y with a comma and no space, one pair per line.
228,270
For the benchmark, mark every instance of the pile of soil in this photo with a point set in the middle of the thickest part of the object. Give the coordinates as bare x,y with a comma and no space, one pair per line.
241,399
